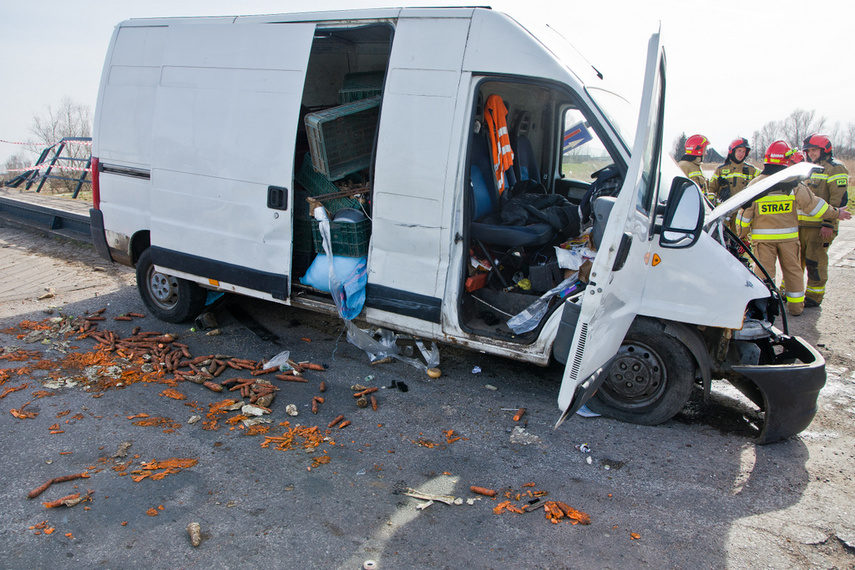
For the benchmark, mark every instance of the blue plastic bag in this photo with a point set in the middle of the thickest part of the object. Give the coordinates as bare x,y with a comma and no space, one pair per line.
352,273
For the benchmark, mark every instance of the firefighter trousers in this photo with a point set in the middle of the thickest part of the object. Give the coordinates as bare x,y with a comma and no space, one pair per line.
787,254
814,256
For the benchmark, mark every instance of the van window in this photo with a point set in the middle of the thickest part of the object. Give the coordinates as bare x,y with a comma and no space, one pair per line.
582,151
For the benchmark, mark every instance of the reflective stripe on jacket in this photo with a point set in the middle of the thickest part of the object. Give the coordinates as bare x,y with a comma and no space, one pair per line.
495,115
731,178
774,217
692,170
831,185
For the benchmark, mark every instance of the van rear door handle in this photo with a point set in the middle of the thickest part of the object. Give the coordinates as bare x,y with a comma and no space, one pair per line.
277,198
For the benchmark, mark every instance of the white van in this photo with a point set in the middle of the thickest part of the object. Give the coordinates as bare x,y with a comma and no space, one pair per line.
210,133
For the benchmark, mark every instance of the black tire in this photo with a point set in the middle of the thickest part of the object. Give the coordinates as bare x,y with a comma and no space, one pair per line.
170,299
650,380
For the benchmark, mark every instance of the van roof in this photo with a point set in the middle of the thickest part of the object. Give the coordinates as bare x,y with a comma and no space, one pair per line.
322,16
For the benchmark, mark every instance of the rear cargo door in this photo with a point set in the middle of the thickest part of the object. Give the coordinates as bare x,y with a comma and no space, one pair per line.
620,268
226,115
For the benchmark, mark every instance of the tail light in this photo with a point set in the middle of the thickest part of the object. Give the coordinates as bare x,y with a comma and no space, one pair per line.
96,184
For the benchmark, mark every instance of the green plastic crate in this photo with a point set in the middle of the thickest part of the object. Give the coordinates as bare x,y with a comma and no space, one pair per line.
341,138
303,240
361,85
316,184
349,239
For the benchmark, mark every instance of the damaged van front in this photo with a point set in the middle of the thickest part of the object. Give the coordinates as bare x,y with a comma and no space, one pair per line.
669,304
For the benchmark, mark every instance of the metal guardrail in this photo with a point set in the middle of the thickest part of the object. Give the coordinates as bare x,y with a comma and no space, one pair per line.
52,157
54,221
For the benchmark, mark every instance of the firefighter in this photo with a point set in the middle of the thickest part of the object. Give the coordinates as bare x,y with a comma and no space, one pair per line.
815,235
696,145
773,220
735,174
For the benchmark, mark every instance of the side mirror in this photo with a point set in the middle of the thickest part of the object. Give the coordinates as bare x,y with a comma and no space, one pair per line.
684,215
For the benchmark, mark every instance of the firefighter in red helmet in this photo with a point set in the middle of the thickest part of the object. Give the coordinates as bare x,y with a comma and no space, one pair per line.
696,145
734,174
815,234
773,220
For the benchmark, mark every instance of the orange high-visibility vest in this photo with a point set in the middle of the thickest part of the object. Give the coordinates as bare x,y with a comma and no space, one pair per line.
495,114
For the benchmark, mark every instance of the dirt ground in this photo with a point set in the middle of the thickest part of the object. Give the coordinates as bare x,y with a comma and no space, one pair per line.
692,493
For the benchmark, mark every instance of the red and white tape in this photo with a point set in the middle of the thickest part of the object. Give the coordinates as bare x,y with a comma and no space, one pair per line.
46,166
41,144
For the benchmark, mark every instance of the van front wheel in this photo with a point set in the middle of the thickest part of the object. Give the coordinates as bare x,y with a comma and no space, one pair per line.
650,379
169,298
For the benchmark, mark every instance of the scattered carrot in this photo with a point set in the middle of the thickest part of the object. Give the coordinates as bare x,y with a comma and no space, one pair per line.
344,424
365,392
42,488
312,366
63,501
518,416
483,491
322,387
174,394
335,421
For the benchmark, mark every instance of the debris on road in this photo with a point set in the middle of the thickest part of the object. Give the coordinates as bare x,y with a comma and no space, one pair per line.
42,488
195,532
483,491
156,470
23,414
69,500
122,451
556,510
447,499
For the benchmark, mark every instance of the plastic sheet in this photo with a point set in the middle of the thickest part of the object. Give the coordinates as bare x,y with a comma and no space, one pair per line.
349,298
379,343
279,360
528,319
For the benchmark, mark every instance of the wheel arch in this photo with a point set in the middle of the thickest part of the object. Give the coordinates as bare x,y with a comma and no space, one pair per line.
694,342
140,242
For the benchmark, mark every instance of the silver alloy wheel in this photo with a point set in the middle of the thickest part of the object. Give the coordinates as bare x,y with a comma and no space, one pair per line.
163,289
637,376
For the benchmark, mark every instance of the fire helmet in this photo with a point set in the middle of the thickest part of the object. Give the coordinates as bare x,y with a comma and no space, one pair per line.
779,152
696,145
738,143
816,140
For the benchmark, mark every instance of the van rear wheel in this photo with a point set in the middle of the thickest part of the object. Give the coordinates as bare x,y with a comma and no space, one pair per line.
650,379
169,298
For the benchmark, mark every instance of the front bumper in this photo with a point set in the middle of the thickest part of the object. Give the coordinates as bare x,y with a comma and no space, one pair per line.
786,390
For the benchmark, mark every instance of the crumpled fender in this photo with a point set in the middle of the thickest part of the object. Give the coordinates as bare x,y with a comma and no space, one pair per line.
788,392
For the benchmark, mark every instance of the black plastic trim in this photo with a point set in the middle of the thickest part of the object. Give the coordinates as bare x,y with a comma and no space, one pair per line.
403,303
276,285
99,238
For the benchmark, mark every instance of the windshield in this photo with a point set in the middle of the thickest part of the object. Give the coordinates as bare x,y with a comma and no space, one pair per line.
619,112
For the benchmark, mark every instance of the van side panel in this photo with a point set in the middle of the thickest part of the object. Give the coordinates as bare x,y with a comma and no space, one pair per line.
225,128
128,102
498,44
412,171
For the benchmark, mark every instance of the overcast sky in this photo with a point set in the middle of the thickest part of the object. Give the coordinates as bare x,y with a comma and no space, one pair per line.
732,66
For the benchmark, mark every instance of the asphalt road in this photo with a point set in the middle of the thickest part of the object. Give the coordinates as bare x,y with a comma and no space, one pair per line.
694,492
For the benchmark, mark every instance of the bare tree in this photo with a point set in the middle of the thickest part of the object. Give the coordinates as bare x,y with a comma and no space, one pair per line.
800,124
13,166
69,119
767,134
680,146
847,143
